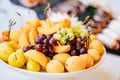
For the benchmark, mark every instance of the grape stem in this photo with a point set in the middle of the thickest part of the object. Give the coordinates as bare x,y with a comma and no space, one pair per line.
87,23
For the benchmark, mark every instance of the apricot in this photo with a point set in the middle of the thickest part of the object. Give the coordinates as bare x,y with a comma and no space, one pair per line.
94,53
75,63
88,59
96,44
54,66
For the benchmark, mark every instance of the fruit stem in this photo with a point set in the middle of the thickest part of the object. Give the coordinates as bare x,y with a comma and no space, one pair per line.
47,8
11,23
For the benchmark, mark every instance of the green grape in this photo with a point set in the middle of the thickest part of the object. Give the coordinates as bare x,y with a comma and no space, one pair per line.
63,41
57,36
63,31
63,35
70,36
69,31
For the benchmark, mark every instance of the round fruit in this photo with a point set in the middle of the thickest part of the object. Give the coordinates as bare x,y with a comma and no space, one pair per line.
16,59
54,66
5,52
20,51
62,57
94,53
88,59
95,44
33,66
75,63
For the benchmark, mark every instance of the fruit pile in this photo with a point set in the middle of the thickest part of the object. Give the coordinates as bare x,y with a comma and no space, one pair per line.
48,46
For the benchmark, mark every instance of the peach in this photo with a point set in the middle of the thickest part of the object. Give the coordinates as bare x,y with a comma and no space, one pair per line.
15,34
32,36
62,49
23,40
62,57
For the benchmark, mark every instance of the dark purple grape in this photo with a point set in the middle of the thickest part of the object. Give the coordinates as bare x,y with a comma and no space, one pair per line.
73,47
42,36
32,46
45,41
50,48
26,48
83,38
38,47
83,50
38,40
45,51
74,41
78,46
73,53
52,41
82,43
48,37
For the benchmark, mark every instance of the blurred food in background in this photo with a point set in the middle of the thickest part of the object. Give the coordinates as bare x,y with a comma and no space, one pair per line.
104,25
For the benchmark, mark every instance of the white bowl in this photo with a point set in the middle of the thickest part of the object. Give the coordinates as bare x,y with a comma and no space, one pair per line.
29,75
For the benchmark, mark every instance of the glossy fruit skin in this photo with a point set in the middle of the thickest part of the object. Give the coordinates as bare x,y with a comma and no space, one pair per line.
75,63
5,52
96,44
95,54
62,57
88,59
33,66
54,66
16,59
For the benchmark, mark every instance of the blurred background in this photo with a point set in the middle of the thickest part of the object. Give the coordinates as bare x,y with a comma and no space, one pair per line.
104,14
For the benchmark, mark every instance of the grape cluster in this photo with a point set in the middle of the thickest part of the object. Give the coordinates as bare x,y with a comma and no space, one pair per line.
44,43
78,46
64,35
